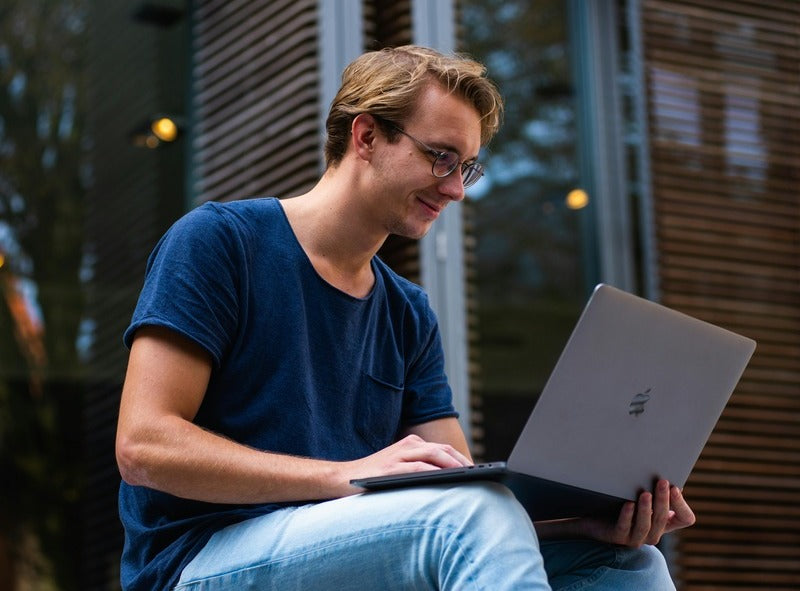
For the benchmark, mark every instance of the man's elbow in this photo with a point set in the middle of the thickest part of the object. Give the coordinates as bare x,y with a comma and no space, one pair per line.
131,460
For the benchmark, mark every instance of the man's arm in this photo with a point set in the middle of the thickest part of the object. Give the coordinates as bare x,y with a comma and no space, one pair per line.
158,446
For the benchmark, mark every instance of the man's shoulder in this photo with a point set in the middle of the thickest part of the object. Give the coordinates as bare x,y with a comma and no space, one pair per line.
400,288
249,218
240,209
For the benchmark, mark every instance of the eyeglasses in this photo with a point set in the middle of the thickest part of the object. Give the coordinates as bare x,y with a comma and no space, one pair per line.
445,162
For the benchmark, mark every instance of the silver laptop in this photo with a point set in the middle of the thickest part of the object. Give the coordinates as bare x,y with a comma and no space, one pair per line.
633,398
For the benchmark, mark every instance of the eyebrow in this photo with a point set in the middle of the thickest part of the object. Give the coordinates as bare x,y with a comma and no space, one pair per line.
449,148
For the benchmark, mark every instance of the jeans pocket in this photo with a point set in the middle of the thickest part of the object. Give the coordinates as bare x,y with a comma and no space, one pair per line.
379,411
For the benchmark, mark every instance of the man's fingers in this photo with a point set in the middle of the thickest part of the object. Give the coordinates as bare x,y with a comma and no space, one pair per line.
670,512
459,457
622,529
440,455
416,441
661,512
443,456
683,516
644,519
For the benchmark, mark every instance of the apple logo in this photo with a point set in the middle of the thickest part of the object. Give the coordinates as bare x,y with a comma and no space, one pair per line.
637,404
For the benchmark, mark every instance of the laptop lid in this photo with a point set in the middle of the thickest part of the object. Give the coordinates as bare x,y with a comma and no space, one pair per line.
633,397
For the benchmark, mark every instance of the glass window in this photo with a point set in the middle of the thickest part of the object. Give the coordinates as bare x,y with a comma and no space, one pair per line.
533,259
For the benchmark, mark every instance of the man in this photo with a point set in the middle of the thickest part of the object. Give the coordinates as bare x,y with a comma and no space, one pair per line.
274,358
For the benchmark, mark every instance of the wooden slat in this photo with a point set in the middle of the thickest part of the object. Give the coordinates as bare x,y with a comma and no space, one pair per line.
778,17
772,189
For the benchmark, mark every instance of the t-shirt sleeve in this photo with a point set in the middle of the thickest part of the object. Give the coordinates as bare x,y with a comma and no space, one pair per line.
427,393
191,283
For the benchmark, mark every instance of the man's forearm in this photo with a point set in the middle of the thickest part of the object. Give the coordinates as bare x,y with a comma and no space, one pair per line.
184,460
175,456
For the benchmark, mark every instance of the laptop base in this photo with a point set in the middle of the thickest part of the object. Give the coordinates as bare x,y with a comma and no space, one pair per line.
542,499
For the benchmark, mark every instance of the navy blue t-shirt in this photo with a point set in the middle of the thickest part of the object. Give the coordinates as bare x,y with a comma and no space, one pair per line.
299,367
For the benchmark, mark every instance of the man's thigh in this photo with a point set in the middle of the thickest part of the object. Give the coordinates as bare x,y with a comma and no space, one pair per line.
465,537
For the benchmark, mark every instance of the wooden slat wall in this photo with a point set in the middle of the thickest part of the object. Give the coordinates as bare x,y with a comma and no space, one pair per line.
723,98
255,98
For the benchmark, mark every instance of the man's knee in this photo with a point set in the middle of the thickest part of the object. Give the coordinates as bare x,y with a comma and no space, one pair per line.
651,560
483,525
613,567
488,507
483,499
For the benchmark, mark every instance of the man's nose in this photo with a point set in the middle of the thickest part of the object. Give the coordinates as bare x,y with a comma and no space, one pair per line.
452,185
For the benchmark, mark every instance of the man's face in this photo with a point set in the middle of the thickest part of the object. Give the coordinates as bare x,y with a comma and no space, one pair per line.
411,195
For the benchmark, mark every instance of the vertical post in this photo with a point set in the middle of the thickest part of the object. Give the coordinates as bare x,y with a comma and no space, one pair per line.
641,145
601,149
341,40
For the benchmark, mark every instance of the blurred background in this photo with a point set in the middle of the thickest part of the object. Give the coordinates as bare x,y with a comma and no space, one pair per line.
650,144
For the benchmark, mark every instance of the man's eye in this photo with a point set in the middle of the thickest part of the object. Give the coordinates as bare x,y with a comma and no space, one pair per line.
448,159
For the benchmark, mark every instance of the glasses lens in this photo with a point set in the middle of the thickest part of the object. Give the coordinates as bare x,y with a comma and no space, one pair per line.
471,173
445,163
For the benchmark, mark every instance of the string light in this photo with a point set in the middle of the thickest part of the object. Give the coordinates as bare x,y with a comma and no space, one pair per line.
155,131
164,129
577,199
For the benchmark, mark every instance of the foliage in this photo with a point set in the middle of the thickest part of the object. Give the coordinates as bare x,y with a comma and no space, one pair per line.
42,184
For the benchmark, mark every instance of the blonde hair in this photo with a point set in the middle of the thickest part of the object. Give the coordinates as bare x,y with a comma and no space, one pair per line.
387,83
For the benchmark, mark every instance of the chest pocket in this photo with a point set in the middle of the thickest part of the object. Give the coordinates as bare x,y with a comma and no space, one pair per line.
379,410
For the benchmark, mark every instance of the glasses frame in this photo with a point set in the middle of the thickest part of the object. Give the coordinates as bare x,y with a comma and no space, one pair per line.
471,172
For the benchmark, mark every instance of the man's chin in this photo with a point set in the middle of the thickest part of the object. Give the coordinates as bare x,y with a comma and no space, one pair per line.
411,231
415,234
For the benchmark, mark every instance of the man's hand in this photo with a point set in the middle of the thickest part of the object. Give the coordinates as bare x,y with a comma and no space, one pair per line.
410,454
643,522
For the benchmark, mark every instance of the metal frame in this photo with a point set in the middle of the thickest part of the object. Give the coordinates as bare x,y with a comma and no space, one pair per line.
341,40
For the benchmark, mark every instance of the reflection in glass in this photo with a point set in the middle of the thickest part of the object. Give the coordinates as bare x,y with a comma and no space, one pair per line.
529,267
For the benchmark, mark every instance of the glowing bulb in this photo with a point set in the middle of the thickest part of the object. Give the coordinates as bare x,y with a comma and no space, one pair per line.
165,129
577,199
2,260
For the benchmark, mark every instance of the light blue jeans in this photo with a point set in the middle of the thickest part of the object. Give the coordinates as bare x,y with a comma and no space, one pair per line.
467,537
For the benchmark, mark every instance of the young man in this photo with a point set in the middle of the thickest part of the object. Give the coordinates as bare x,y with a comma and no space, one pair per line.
274,358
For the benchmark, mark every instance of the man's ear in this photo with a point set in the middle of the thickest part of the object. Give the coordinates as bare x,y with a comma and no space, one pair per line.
363,133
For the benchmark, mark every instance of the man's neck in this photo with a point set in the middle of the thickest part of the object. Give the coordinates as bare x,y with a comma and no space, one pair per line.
329,225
